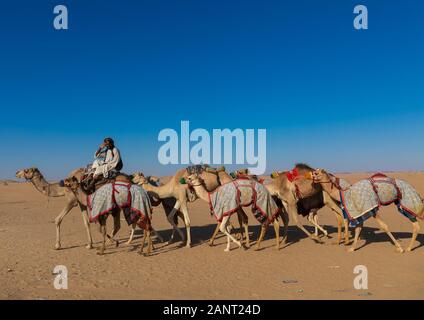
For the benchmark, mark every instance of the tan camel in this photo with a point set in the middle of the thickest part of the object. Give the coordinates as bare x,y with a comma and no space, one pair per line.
195,181
324,179
74,186
55,190
165,194
290,192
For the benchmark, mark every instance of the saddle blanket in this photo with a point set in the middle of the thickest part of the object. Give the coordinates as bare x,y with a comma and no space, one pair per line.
362,199
132,198
226,199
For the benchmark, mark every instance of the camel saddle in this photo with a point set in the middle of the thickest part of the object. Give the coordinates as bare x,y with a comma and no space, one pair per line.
88,187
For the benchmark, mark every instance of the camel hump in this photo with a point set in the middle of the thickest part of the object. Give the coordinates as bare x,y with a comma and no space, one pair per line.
121,177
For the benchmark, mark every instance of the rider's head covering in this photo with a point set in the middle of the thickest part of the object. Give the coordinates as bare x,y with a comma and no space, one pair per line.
110,141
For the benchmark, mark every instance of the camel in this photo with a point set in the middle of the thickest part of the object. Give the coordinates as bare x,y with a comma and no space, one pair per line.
247,195
158,196
143,218
56,190
302,187
406,191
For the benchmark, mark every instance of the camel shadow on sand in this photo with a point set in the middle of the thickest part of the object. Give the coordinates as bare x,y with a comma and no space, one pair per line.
200,235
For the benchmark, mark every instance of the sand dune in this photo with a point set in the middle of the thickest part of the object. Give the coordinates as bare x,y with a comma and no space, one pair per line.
301,270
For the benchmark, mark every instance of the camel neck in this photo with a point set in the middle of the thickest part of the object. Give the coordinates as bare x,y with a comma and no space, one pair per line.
164,191
201,192
48,189
330,189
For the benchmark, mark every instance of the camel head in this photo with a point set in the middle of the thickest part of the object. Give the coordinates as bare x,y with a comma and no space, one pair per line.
27,174
71,183
139,178
319,175
193,180
239,172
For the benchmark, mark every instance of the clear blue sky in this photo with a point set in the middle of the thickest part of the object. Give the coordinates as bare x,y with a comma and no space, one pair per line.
328,95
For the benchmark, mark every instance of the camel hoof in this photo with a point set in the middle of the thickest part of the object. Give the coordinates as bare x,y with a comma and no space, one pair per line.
57,246
210,244
400,250
116,244
350,249
89,246
409,249
128,243
227,250
188,245
100,252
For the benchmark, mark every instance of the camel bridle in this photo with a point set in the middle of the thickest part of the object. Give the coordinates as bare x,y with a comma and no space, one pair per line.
333,184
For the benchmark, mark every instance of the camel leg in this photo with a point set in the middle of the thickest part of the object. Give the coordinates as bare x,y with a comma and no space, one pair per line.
346,231
116,227
315,219
245,222
87,227
133,226
187,223
149,241
264,227
212,239
416,229
291,208
339,229
102,222
285,218
277,233
224,229
143,241
59,219
240,234
385,228
170,218
339,216
355,240
311,220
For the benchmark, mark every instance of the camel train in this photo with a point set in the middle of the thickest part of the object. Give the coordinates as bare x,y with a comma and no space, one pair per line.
302,191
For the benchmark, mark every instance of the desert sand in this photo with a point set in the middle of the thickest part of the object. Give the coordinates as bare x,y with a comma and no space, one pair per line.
302,269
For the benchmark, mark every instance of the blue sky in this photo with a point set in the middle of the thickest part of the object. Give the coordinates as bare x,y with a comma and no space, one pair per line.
328,94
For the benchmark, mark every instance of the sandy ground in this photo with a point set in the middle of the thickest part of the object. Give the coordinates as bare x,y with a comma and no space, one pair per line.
301,270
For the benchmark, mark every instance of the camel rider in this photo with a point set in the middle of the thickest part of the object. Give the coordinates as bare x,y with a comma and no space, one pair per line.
107,159
107,162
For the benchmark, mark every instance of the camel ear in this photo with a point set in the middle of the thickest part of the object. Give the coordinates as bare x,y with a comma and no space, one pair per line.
233,175
183,181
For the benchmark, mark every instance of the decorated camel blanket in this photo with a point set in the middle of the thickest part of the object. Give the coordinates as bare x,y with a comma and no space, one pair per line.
362,199
226,199
132,198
